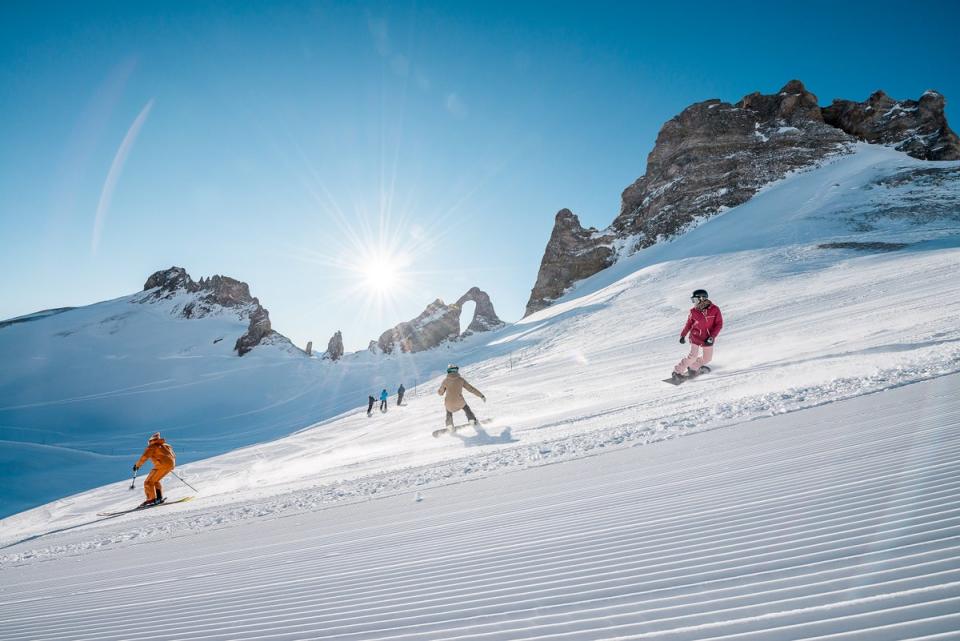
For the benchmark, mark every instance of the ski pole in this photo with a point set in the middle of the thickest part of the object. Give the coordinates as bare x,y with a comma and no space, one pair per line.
184,482
134,479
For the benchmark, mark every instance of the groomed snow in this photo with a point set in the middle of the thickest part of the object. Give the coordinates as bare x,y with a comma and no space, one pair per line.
837,287
839,522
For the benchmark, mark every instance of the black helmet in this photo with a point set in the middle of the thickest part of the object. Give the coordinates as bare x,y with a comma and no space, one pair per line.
698,295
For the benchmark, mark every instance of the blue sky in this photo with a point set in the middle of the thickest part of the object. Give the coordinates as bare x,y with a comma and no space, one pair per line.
290,144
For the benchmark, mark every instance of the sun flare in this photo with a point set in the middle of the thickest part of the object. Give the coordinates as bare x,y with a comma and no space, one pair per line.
381,273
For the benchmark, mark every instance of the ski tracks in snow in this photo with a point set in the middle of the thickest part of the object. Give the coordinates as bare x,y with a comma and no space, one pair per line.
838,522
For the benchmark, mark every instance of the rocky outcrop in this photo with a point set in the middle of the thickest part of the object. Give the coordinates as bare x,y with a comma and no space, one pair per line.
916,127
211,296
440,322
573,253
715,155
485,318
258,330
334,347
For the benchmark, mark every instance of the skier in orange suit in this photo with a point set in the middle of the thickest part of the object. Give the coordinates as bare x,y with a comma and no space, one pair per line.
164,460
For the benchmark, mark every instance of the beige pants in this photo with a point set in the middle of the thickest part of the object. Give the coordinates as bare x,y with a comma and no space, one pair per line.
694,360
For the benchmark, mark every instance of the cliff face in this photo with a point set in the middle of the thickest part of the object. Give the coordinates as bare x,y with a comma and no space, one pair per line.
716,155
439,322
211,296
917,127
572,254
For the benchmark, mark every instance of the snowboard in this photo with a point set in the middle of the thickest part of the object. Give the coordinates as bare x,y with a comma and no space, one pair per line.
688,377
451,430
145,507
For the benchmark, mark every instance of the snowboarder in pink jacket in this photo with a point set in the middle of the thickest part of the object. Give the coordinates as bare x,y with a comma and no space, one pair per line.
703,325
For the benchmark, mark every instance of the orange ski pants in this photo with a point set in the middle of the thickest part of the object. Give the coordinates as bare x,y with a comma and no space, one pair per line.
152,483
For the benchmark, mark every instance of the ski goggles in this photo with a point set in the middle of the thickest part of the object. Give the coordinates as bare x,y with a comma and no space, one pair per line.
697,299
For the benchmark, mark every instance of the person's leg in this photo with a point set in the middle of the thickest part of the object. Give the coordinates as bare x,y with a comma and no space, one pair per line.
449,422
470,416
681,367
158,486
150,484
705,358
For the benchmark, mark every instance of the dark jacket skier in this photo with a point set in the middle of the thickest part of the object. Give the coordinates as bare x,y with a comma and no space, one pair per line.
400,391
370,401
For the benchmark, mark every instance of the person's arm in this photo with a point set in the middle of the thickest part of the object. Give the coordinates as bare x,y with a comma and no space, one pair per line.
686,328
718,324
143,458
443,389
473,390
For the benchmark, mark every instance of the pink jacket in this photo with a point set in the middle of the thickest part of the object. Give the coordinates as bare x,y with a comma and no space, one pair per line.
701,324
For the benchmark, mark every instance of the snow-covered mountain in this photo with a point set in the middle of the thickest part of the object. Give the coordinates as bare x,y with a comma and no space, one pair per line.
836,283
716,155
81,388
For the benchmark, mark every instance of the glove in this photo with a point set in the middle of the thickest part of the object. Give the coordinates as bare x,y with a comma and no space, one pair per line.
709,341
683,339
136,467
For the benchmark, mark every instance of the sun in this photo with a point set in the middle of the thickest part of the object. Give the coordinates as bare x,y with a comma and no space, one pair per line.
381,273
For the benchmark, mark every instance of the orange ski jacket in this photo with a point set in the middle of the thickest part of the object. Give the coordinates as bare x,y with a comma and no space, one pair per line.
160,454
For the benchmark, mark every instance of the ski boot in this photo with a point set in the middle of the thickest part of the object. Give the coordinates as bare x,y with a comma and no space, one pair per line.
703,370
677,378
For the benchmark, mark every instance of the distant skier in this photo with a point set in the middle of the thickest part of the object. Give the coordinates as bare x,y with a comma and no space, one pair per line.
164,460
370,401
452,387
383,400
400,391
703,324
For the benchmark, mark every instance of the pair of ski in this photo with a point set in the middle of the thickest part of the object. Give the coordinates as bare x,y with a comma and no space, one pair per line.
144,507
691,374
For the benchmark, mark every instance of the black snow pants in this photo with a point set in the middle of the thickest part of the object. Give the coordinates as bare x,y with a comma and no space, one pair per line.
467,411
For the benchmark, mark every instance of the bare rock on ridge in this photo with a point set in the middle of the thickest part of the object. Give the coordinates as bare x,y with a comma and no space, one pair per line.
716,155
210,296
334,347
439,322
485,317
573,253
916,127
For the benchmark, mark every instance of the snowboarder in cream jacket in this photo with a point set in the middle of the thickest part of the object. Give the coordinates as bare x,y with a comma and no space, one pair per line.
704,323
452,391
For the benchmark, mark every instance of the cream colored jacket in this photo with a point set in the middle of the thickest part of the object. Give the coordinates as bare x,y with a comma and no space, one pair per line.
453,386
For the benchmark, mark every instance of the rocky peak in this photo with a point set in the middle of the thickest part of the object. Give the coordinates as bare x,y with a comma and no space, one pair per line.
484,317
440,322
715,155
169,281
334,347
210,296
916,127
573,253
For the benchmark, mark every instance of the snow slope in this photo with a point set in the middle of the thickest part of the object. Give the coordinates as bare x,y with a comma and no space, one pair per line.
81,390
838,517
806,325
838,522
